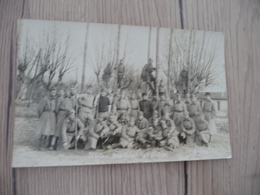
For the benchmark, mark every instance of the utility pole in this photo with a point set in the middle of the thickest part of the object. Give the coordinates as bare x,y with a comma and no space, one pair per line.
84,59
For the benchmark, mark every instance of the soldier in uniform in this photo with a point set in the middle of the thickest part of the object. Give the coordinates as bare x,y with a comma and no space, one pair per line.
146,107
159,104
194,109
167,108
143,125
179,109
170,136
128,135
155,133
147,75
120,73
209,110
70,127
113,134
47,119
63,107
94,136
161,88
87,104
73,97
187,100
103,105
184,79
123,105
135,107
155,116
188,129
203,135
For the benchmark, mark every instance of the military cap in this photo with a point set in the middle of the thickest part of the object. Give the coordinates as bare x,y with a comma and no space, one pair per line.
207,93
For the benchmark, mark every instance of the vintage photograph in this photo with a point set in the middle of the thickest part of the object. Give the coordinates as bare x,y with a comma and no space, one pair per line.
90,94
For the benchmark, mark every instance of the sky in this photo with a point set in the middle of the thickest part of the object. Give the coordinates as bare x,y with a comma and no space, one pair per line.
91,39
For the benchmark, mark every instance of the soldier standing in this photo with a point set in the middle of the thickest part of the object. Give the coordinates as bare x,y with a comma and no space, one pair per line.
120,73
184,79
194,109
146,107
63,107
103,105
87,104
135,107
147,75
179,109
167,108
209,111
123,105
187,100
47,118
159,104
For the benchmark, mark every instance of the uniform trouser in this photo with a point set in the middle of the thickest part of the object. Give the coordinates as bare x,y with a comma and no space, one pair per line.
68,139
87,119
177,117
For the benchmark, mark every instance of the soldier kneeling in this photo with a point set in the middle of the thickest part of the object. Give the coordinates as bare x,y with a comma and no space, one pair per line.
69,127
170,136
203,135
155,133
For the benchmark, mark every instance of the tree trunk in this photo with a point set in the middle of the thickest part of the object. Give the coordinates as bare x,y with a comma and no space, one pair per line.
169,64
84,60
117,56
149,43
157,62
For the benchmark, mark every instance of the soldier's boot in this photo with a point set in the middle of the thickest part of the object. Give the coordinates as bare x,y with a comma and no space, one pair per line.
48,144
56,143
53,141
42,142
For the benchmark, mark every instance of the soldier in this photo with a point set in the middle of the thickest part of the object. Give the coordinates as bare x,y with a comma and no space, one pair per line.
128,135
170,136
73,97
147,75
120,73
94,136
87,104
103,105
184,79
203,135
209,110
187,100
169,121
47,119
68,131
161,88
123,105
63,107
113,135
116,97
146,107
194,109
143,125
155,116
135,107
155,133
179,109
167,108
188,129
159,104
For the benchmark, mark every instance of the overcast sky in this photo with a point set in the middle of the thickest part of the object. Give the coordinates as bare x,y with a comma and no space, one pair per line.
133,43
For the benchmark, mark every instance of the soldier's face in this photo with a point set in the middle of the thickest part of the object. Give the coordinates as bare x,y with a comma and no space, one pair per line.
166,116
207,97
72,115
133,96
90,90
103,93
179,98
123,95
145,97
155,123
141,117
53,93
193,99
132,122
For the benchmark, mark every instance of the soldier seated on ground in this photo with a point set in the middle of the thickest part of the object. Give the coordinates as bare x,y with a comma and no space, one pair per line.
69,127
128,135
170,137
122,119
113,134
94,136
188,129
155,133
203,135
155,116
142,137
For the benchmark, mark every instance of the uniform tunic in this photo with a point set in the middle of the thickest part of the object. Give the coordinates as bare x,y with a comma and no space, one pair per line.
46,113
209,110
103,104
114,132
188,127
203,133
68,129
167,108
63,106
128,136
123,107
135,108
179,108
194,110
146,107
143,126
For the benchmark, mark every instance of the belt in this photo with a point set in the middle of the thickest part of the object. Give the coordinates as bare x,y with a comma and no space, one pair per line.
87,106
188,128
178,111
206,111
134,108
121,109
70,131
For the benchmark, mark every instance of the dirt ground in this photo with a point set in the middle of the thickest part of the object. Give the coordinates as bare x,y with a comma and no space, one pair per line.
26,142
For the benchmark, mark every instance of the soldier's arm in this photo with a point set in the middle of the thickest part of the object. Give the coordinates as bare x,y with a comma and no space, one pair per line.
64,132
41,107
80,127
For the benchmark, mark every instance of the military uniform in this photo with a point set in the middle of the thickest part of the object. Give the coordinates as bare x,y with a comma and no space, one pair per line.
103,105
123,107
158,105
209,111
135,108
194,110
120,74
203,135
167,108
143,126
179,109
155,135
68,129
170,137
188,127
113,133
128,135
94,135
146,107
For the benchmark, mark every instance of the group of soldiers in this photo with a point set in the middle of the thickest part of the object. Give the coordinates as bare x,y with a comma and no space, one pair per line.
114,120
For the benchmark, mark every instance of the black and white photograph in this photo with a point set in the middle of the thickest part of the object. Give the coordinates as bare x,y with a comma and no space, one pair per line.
91,94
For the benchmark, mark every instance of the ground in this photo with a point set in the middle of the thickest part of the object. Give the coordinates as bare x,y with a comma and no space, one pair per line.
26,142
